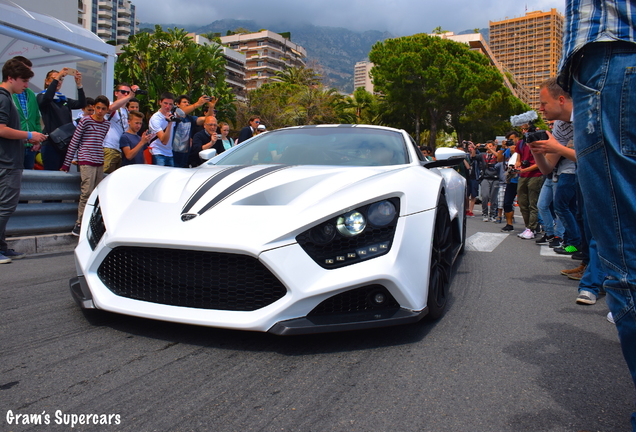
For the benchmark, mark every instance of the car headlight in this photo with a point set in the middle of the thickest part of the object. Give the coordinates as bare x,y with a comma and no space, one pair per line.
351,224
381,213
357,235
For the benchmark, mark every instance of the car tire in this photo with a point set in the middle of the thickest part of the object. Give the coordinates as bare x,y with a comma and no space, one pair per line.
462,248
441,262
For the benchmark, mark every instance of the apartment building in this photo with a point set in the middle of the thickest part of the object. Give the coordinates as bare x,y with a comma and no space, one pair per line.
361,77
114,20
267,53
530,47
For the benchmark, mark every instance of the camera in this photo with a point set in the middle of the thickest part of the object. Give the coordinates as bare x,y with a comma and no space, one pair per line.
525,163
141,92
510,142
176,114
539,135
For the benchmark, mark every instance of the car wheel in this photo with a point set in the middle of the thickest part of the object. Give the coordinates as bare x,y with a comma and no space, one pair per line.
441,262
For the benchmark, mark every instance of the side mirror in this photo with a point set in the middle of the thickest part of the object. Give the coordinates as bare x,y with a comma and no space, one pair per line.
446,157
207,154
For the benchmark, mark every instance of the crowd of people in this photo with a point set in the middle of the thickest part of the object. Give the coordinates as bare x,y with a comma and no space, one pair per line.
104,137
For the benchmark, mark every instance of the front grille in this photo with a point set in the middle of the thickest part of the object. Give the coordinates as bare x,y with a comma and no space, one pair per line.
356,300
196,279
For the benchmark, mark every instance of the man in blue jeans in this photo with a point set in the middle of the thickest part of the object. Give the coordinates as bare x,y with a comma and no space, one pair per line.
598,68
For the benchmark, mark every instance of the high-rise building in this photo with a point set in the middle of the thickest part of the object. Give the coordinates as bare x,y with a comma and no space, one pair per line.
529,47
114,20
267,53
361,77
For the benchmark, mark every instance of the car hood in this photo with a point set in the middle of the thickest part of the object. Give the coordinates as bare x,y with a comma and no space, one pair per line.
247,208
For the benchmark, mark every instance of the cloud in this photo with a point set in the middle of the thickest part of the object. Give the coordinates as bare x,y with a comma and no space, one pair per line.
400,17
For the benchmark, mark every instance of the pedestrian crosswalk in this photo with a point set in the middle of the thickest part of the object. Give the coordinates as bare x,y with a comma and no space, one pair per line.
488,242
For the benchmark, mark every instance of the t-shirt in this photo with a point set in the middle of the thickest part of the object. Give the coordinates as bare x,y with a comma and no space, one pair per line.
182,132
564,132
11,150
131,141
118,124
158,123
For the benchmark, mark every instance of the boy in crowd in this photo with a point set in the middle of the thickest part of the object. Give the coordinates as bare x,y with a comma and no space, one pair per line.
90,133
162,124
132,145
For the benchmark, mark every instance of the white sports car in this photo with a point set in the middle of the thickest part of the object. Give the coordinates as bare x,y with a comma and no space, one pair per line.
299,230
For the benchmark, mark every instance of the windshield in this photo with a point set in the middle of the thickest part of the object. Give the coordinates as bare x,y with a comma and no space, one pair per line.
344,146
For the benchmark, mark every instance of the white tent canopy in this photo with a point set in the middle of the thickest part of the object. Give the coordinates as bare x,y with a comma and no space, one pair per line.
53,44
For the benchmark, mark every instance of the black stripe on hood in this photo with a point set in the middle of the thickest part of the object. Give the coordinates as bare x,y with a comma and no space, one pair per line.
208,184
240,184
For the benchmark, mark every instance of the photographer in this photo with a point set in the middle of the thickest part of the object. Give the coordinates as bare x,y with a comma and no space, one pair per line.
512,179
476,167
528,189
118,117
56,111
162,123
184,129
489,183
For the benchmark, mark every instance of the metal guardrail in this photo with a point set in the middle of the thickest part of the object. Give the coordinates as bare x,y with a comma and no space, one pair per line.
48,203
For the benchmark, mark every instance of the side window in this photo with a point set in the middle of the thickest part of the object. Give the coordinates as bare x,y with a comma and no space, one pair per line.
418,152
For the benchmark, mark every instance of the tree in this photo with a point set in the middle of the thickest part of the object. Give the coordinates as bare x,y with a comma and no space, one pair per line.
172,62
438,30
299,75
438,81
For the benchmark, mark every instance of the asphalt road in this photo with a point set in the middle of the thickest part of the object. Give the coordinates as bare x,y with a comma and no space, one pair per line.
513,353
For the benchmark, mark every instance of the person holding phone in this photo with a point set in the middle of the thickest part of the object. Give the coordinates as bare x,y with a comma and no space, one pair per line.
56,109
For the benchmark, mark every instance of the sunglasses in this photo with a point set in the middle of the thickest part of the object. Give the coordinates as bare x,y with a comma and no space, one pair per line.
124,92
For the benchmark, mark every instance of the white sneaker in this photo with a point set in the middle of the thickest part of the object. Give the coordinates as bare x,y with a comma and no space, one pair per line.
610,318
522,233
485,219
527,234
586,297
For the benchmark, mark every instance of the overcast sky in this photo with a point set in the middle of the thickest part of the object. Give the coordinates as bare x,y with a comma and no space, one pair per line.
399,17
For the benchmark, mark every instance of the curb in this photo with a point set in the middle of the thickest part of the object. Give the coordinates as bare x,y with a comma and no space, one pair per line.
49,243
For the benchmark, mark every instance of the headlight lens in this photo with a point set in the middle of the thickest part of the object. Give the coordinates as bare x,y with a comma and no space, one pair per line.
351,224
381,213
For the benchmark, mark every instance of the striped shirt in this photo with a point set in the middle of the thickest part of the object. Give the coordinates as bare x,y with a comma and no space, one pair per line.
88,141
588,21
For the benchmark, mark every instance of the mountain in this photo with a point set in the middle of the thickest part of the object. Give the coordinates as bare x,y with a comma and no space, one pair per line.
336,50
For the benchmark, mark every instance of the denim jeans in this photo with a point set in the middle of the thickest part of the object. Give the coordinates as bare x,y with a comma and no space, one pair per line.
489,194
605,140
162,160
552,226
565,208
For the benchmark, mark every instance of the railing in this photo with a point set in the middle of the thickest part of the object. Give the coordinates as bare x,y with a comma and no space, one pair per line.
48,203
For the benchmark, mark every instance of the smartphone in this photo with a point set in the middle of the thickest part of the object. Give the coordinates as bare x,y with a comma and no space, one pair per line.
71,71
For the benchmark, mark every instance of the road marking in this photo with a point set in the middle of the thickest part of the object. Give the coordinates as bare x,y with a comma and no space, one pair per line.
484,242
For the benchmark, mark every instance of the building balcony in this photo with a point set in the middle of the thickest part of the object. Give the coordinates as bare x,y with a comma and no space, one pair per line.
123,21
121,12
105,23
105,4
